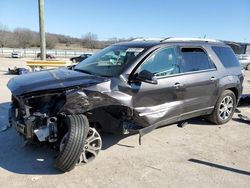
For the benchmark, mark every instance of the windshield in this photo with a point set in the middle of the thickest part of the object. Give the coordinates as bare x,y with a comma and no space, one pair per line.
110,61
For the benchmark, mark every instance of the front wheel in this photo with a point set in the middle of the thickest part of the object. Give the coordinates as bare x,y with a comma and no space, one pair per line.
79,144
224,108
92,147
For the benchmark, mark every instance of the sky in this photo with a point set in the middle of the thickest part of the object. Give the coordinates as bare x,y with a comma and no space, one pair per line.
216,19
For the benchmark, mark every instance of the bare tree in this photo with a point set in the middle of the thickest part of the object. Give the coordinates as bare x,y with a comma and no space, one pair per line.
89,40
3,35
51,41
113,40
25,37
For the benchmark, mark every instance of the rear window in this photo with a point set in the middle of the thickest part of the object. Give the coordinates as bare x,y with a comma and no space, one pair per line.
226,56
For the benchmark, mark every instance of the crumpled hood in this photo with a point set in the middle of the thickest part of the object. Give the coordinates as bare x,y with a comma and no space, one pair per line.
51,79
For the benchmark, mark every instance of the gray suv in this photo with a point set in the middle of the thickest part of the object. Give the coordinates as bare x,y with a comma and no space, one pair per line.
126,88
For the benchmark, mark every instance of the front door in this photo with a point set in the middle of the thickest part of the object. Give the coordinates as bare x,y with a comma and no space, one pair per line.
162,101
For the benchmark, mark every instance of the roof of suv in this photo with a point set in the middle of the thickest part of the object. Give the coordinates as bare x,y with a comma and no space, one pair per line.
144,43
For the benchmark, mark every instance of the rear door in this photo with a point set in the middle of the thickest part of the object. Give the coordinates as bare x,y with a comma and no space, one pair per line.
200,83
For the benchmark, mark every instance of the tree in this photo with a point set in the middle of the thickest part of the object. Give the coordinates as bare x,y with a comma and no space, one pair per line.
89,40
51,41
3,35
25,37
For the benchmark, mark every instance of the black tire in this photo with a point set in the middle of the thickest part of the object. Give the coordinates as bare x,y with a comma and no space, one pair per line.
215,117
78,127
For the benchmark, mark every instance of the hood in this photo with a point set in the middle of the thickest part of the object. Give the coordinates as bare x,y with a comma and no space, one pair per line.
51,79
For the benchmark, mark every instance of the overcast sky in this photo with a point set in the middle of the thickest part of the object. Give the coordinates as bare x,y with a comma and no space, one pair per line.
218,19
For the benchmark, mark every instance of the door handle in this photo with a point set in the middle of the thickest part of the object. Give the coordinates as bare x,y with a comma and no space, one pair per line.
178,85
212,78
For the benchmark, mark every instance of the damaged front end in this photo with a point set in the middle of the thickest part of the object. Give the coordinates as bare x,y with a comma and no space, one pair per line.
39,115
35,116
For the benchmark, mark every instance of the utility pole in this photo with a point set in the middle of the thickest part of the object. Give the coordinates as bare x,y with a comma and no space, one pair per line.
41,30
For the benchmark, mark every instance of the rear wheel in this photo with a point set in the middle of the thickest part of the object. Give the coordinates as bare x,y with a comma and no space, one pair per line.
224,108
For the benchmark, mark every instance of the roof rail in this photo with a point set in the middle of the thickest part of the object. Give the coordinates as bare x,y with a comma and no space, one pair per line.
148,39
170,39
174,39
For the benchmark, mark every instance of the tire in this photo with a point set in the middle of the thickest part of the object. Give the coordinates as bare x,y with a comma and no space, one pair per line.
217,117
69,155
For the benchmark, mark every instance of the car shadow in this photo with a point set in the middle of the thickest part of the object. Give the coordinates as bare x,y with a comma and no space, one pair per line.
3,114
242,119
244,101
21,158
17,158
198,121
109,140
220,167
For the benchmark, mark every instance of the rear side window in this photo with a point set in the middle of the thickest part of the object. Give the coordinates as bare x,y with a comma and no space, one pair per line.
226,56
194,59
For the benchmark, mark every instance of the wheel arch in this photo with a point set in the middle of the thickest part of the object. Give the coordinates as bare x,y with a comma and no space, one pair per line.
235,91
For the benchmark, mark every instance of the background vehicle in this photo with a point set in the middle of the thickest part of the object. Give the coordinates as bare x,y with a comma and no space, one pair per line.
244,60
125,88
16,54
80,58
48,56
242,50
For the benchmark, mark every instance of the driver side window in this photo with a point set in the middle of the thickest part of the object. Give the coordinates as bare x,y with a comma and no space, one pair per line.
163,62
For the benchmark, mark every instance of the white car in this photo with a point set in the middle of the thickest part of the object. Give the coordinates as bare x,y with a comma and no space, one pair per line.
16,54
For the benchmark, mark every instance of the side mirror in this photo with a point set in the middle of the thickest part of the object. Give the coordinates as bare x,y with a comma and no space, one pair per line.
145,76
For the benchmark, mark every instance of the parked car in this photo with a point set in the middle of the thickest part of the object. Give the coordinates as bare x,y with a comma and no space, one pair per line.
80,58
16,54
242,50
131,87
48,56
244,60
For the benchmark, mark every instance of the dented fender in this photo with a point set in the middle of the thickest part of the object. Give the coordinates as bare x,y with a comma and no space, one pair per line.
81,100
